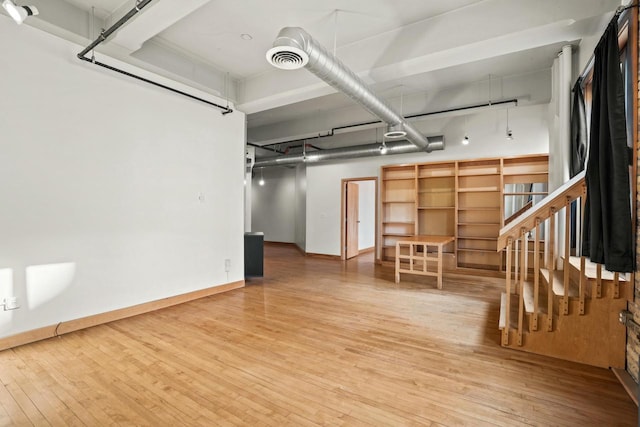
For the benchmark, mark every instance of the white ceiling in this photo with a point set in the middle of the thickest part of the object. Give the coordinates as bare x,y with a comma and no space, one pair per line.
397,46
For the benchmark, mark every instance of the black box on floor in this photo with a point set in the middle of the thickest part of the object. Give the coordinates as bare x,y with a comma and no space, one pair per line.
253,254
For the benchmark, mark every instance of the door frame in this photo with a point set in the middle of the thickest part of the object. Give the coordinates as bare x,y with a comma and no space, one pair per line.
343,212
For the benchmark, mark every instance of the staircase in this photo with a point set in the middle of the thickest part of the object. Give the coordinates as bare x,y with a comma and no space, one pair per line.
557,304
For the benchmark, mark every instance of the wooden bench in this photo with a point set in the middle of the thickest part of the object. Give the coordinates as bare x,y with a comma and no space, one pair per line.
422,257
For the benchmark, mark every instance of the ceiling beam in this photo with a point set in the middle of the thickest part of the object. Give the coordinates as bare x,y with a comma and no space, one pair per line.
158,17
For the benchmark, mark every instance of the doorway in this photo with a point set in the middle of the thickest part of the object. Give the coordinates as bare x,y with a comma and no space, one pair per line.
359,217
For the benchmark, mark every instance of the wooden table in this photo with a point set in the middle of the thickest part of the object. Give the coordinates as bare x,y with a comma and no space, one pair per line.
422,257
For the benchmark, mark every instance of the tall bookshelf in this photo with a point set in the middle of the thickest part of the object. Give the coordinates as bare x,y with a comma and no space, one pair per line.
465,199
398,207
479,214
437,201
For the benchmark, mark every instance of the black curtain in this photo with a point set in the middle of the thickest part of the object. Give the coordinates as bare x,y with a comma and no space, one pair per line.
607,229
578,146
578,130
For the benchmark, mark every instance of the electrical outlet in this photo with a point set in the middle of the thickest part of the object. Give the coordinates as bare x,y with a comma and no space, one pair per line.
227,265
11,303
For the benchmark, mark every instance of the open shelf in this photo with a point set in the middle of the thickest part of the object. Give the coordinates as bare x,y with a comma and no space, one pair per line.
398,223
479,190
398,201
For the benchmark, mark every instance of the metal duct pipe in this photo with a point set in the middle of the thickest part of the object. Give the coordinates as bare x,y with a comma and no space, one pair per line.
295,48
366,150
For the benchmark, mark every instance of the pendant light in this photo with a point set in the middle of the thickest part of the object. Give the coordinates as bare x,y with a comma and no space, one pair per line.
465,140
509,132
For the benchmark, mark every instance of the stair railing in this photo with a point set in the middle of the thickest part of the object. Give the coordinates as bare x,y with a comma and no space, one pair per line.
514,238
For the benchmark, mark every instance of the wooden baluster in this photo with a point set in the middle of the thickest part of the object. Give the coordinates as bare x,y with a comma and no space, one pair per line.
516,269
551,266
616,285
397,262
523,254
525,249
536,275
507,324
599,280
583,260
567,255
583,282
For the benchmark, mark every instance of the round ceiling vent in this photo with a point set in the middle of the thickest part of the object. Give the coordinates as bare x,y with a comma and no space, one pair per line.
287,57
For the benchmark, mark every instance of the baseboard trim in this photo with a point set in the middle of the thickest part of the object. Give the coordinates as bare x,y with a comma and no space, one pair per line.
110,316
324,256
628,383
366,250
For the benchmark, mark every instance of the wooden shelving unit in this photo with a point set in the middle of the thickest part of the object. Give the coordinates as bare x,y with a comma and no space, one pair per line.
398,207
465,199
437,203
479,214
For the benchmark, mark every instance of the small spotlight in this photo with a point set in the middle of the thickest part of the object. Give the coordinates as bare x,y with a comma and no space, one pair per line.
19,13
383,149
261,182
465,141
509,134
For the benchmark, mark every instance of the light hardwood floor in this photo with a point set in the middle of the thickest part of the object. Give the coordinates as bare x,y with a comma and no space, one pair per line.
316,342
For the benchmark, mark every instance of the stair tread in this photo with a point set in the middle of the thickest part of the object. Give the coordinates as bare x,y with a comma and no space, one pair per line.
558,283
591,269
527,296
503,311
514,311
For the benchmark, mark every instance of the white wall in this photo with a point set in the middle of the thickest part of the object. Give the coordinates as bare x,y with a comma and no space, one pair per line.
366,214
487,133
114,192
274,204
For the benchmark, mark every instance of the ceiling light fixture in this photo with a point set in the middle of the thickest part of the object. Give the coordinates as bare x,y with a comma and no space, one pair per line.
466,140
509,131
395,131
19,13
261,182
383,147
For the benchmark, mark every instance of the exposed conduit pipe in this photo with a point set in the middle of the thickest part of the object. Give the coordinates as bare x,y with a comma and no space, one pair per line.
366,150
295,48
375,123
140,4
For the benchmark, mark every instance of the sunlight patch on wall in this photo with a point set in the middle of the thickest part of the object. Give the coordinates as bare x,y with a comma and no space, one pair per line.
45,282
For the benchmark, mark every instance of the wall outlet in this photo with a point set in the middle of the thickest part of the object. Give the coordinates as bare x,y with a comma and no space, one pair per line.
11,303
227,265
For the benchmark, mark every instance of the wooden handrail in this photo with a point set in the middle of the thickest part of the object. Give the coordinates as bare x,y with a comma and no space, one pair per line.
571,189
519,212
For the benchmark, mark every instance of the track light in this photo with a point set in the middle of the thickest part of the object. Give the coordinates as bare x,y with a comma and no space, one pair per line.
383,147
465,140
19,13
509,131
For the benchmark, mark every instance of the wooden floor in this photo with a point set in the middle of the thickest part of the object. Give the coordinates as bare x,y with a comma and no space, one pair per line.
316,342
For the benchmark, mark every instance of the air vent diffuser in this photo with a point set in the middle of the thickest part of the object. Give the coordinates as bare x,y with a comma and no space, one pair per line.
287,57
